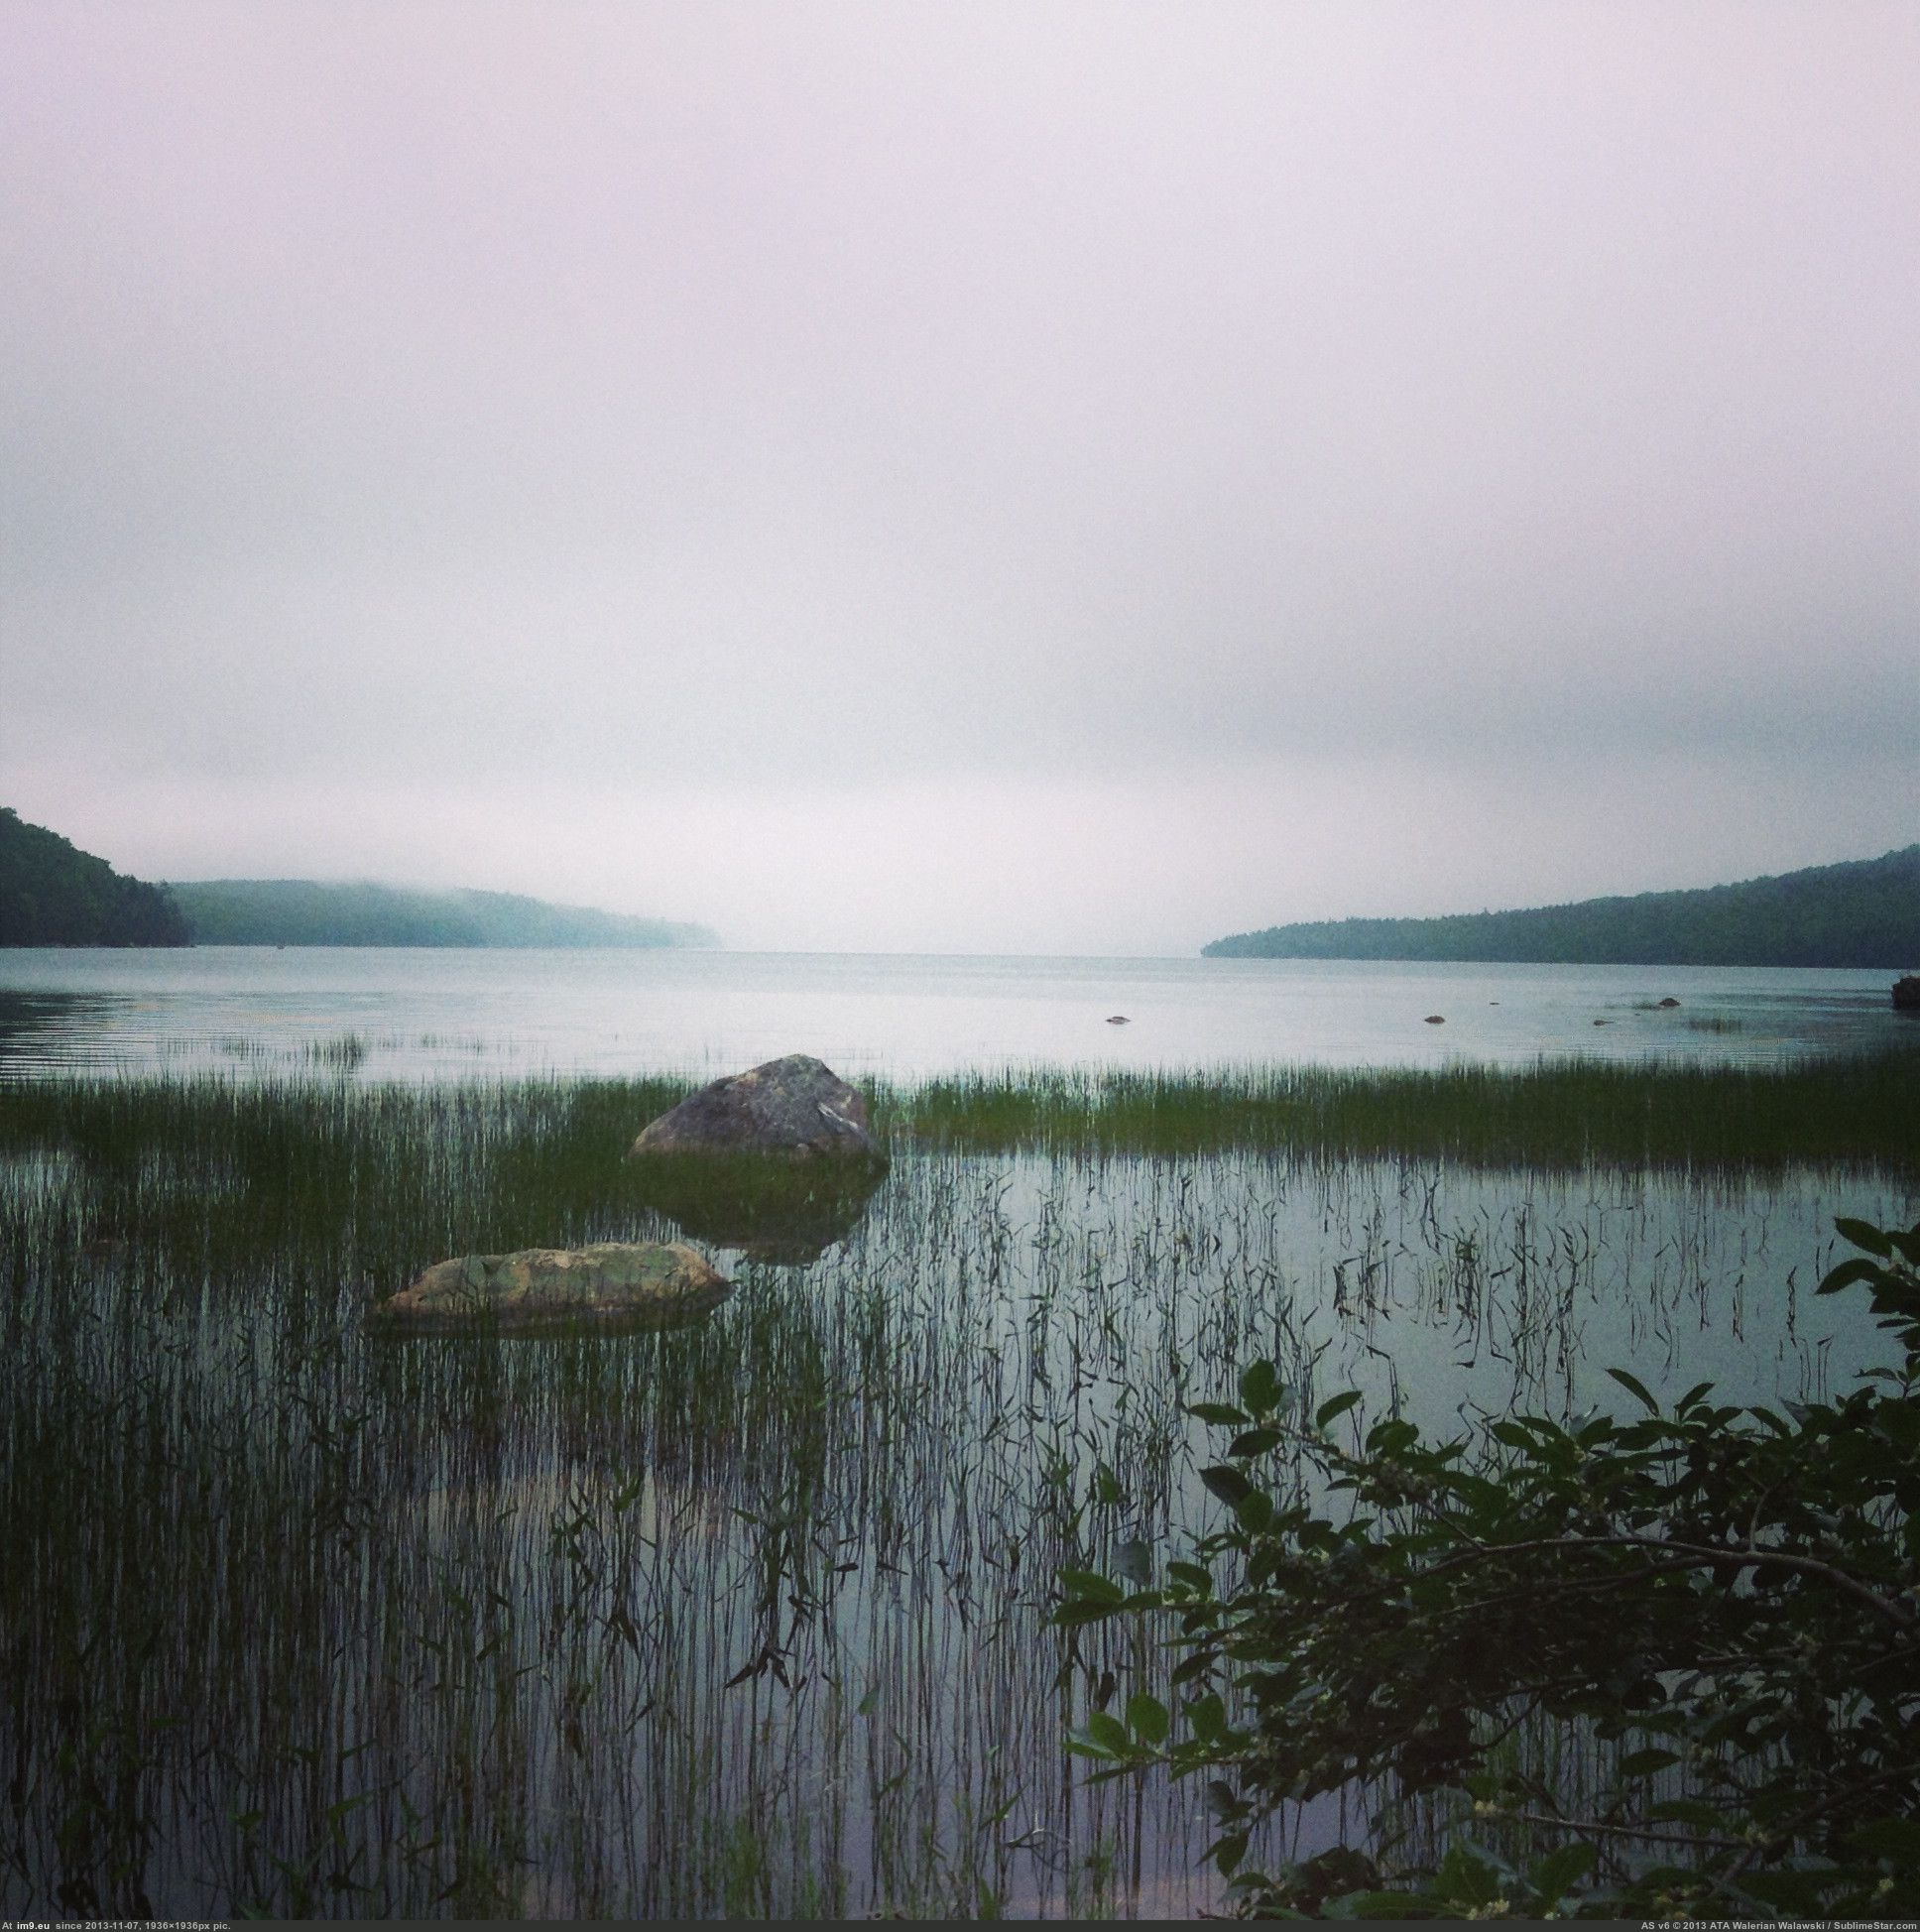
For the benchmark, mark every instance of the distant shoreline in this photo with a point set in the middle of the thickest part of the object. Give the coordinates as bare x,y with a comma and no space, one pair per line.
306,913
1860,915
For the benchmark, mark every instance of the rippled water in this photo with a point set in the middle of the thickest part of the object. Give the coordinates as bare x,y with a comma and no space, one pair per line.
435,1015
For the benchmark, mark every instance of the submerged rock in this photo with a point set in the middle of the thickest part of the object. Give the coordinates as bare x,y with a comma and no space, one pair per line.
1669,1000
1118,1019
796,1108
1436,1019
611,1284
1906,992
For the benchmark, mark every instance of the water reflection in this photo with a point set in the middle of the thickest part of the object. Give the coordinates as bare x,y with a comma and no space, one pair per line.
553,1328
781,1212
751,1618
49,1032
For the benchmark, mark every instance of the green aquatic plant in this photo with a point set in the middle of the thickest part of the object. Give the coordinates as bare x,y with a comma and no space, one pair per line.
294,1622
1556,1114
1722,1604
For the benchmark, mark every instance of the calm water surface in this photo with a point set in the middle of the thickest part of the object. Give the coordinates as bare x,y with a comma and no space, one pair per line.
491,1627
435,1013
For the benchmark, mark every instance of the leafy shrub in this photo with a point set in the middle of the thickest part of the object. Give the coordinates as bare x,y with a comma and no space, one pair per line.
1717,1608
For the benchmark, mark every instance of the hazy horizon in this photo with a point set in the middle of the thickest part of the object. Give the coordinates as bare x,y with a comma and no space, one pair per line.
415,886
1066,478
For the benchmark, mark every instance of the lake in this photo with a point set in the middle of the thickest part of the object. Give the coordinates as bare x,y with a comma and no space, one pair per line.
438,1015
752,1616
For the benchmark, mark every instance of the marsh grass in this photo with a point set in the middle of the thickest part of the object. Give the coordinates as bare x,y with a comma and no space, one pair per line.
750,1618
1557,1113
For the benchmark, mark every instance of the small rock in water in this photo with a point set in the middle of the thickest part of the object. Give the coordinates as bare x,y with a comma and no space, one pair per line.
609,1285
1669,1000
1118,1019
1603,1022
1436,1019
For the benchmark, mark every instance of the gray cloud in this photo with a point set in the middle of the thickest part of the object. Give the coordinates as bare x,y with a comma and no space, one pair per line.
1036,419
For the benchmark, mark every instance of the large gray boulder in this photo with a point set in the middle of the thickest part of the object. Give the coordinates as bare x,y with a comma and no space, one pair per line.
794,1108
615,1284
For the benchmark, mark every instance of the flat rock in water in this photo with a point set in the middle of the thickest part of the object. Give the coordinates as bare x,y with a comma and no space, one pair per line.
796,1108
610,1284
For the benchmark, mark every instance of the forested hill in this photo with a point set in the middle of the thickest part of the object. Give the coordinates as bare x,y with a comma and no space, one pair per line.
1865,913
52,893
306,913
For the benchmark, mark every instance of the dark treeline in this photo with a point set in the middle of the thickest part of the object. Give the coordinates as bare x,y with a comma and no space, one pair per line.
1865,913
52,893
306,913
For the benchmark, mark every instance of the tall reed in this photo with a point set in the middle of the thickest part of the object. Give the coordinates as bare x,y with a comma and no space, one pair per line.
750,1618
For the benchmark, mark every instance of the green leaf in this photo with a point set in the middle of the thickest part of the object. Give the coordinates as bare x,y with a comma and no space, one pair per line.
1637,1764
1107,1731
1862,1233
1259,1388
1465,1879
1255,1512
1227,1483
1636,1389
1379,1905
1207,1718
1846,1275
1082,1610
1222,1413
1894,1839
1254,1442
1088,1584
1559,1871
1338,1406
1228,1853
1146,1718
1901,1422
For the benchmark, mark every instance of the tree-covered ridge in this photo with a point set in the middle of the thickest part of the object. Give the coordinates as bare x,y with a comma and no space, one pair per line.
1865,913
306,913
52,893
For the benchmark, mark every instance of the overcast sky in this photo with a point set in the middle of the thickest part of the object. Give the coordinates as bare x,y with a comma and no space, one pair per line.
1029,476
